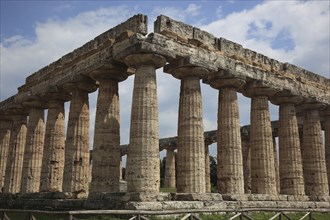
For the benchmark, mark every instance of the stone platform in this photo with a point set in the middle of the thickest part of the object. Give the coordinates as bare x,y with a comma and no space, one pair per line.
162,201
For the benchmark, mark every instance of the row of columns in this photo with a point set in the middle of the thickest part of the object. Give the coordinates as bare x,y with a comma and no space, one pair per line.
65,161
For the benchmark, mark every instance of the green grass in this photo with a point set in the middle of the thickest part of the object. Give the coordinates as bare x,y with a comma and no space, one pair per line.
168,190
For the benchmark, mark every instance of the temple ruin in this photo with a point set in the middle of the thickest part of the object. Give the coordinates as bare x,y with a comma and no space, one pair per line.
41,165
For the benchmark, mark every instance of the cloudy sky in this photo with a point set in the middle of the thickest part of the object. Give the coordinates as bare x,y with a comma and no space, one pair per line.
36,33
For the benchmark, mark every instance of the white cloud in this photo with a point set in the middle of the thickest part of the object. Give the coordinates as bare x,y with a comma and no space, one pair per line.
305,22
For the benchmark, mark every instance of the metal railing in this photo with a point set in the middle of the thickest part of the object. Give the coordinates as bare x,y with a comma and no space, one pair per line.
281,214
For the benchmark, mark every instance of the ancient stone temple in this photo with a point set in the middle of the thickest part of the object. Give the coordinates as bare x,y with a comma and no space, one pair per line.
42,164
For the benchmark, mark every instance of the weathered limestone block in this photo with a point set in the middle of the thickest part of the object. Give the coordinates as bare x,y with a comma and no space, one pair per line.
314,165
142,169
327,141
263,177
170,180
5,131
230,160
76,169
191,146
15,155
106,149
207,169
290,163
53,156
33,150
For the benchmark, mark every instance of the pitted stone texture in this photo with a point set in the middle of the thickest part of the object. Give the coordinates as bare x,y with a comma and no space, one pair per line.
314,165
263,180
207,169
76,169
191,148
170,180
53,156
33,151
327,141
15,155
142,170
5,131
290,163
106,149
246,153
230,161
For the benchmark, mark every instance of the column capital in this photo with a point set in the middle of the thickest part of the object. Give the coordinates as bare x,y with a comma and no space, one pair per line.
326,111
259,88
34,101
225,78
55,93
111,71
141,59
286,97
182,67
311,105
80,83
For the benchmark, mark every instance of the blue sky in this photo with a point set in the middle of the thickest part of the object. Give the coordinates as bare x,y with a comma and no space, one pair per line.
36,33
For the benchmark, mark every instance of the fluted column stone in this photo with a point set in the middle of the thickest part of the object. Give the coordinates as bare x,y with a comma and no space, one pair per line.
277,168
5,131
290,163
76,169
142,169
263,177
33,148
15,154
246,164
54,144
326,115
170,169
230,160
106,148
191,146
207,169
315,171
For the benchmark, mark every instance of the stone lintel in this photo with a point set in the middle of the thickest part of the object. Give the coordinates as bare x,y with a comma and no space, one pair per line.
150,59
259,88
111,71
79,82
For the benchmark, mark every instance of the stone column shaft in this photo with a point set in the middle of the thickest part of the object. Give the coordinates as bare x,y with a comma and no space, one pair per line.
207,169
5,130
106,149
53,156
76,170
170,169
191,148
277,169
33,151
246,165
315,173
263,179
290,164
15,155
142,169
230,162
327,142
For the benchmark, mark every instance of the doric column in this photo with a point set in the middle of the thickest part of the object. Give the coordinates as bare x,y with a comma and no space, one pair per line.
34,146
54,145
15,154
170,169
5,130
315,171
277,169
290,163
106,148
76,168
142,169
326,115
263,179
246,164
230,160
191,146
207,169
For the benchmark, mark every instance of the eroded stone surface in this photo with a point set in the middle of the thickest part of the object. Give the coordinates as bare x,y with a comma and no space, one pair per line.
170,180
5,131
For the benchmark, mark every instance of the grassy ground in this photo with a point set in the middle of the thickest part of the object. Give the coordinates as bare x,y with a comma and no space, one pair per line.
254,215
